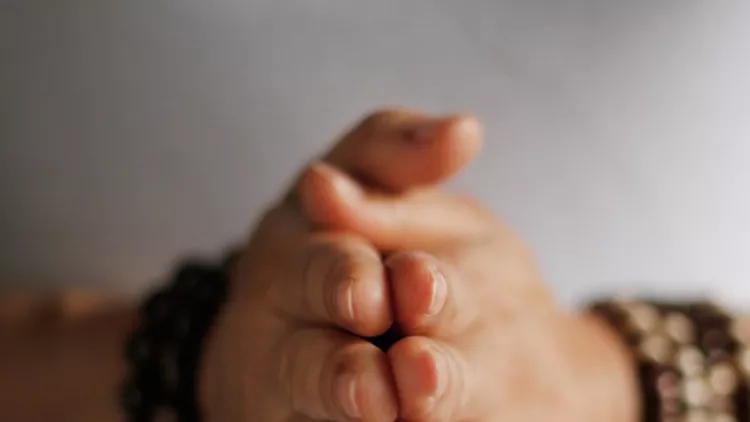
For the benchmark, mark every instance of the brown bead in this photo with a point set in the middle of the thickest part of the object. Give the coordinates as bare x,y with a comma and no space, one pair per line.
696,392
697,415
716,339
743,361
723,417
678,327
670,407
723,379
690,360
643,317
612,314
718,356
741,330
657,348
707,311
667,383
722,404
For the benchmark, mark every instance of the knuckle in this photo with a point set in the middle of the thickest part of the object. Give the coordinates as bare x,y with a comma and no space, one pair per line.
333,268
345,268
345,271
342,356
348,261
342,359
348,355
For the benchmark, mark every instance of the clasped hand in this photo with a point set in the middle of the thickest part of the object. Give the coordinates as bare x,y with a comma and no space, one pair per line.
365,242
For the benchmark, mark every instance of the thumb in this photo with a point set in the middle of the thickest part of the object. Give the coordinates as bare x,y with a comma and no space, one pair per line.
433,380
398,150
332,199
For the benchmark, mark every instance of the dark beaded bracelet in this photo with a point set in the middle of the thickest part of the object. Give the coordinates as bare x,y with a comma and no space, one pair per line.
688,356
164,351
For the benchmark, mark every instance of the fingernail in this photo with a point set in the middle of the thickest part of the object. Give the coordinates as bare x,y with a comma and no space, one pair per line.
341,183
466,126
345,186
348,305
439,292
425,378
347,394
441,371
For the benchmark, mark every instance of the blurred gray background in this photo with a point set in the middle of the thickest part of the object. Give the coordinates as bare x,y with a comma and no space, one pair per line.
618,132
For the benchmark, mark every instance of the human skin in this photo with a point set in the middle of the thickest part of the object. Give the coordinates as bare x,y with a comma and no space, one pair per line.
483,340
361,242
61,354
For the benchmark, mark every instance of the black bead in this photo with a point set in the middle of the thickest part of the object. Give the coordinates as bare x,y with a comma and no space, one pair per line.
192,274
139,349
165,350
158,307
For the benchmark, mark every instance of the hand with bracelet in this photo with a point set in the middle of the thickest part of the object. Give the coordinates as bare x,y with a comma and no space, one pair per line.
482,338
364,243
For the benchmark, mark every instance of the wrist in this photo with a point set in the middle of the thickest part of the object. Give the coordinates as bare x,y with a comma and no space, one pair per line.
610,380
166,350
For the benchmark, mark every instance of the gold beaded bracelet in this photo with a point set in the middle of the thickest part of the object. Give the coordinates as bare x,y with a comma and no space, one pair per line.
693,359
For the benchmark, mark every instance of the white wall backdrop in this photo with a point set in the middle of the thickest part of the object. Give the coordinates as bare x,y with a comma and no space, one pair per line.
618,132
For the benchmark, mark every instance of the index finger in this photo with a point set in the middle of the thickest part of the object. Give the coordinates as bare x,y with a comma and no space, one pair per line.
337,280
333,200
